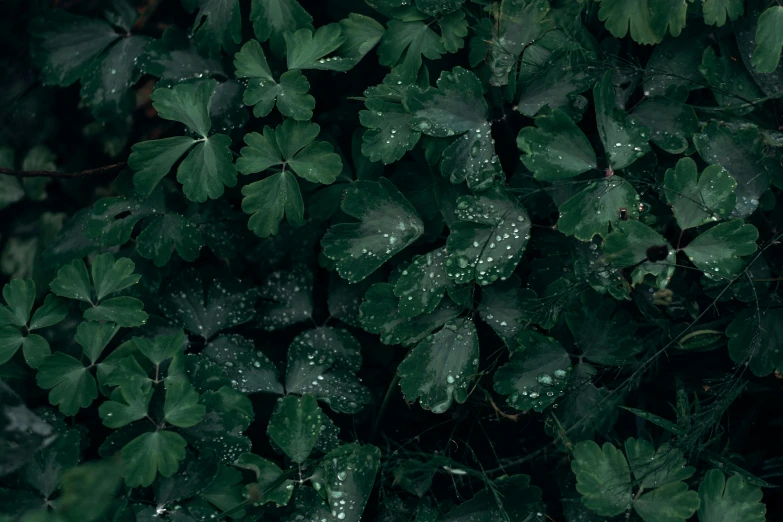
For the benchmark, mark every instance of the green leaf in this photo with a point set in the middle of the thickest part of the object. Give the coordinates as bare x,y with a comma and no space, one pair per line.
35,349
64,45
599,205
627,245
128,404
602,476
487,242
389,134
152,453
715,11
263,92
72,385
208,169
769,41
519,23
556,148
19,295
413,39
249,368
441,368
754,339
229,413
113,220
111,276
668,503
88,490
717,251
361,33
308,50
698,202
603,334
167,233
674,63
457,108
670,120
379,314
72,282
648,20
174,58
732,85
295,426
421,285
125,311
349,473
187,103
288,298
106,85
273,18
655,468
388,224
292,144
228,304
331,379
10,341
536,374
454,29
218,24
507,308
268,476
163,348
94,337
51,312
729,500
624,139
181,407
271,199
152,160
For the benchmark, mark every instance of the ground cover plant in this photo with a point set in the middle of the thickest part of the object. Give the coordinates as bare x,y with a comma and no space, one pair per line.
392,260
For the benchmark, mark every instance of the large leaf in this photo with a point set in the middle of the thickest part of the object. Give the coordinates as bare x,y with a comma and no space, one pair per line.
624,139
556,149
716,11
72,385
440,369
331,378
457,108
388,224
729,500
421,285
753,339
295,426
270,200
536,374
599,205
306,49
670,120
412,39
648,20
603,477
696,202
250,370
632,243
717,251
152,453
740,153
489,239
348,477
769,40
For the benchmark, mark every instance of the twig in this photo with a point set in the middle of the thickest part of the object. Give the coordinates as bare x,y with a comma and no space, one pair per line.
68,175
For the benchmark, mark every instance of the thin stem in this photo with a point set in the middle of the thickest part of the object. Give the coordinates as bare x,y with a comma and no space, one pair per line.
67,175
384,404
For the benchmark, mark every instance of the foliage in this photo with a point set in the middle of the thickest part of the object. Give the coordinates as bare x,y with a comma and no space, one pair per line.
391,260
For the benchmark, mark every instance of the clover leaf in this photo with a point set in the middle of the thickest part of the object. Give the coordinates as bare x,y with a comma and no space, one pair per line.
108,276
208,166
696,202
717,251
729,499
19,295
598,206
289,93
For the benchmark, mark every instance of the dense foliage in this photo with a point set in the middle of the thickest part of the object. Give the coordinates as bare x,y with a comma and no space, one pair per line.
393,260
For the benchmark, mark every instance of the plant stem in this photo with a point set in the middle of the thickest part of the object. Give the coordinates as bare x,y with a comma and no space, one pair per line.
384,404
68,175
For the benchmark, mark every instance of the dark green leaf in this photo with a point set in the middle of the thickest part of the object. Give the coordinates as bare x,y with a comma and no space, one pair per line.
295,426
